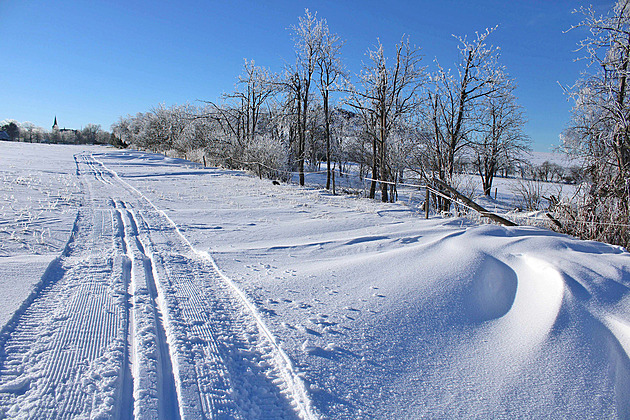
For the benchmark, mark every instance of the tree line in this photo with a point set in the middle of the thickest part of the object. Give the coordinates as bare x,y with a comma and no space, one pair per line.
394,116
31,133
399,117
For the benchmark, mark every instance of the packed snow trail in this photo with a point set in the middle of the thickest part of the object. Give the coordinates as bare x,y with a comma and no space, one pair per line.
132,322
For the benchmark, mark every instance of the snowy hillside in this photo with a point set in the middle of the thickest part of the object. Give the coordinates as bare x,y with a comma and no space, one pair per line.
135,285
537,158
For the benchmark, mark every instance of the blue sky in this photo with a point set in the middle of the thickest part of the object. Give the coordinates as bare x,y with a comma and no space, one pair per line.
93,61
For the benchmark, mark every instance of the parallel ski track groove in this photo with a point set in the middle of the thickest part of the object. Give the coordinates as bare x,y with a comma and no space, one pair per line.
131,321
123,263
291,385
63,331
154,375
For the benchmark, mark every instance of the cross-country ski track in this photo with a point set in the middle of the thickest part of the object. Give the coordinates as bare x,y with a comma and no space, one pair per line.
131,321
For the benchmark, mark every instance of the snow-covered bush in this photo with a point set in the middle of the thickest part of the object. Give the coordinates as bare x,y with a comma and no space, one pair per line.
529,194
266,156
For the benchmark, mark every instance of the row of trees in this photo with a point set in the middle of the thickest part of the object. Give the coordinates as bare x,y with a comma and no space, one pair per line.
29,132
524,169
396,117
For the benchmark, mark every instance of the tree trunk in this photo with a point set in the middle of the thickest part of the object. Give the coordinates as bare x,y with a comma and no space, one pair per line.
327,126
301,137
374,169
384,197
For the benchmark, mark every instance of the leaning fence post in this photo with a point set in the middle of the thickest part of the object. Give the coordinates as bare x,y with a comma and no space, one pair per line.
426,203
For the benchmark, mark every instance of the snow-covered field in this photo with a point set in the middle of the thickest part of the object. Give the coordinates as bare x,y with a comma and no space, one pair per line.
139,286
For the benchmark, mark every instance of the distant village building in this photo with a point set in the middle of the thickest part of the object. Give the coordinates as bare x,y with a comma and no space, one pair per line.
4,136
56,128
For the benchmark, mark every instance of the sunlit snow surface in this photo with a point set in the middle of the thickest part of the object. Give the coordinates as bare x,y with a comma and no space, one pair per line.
166,289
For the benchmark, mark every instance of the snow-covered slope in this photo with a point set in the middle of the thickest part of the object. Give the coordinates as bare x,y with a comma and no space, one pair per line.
230,296
538,158
39,193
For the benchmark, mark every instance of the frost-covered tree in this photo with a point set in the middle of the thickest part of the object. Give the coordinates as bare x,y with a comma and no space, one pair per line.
386,97
31,132
91,133
331,72
307,37
256,85
121,132
600,128
452,100
240,113
156,130
499,139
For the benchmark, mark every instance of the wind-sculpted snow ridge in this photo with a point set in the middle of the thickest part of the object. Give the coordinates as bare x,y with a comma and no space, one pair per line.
538,330
132,322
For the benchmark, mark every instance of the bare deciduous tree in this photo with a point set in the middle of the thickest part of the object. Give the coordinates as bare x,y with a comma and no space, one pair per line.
258,86
499,140
307,38
330,71
600,128
453,99
388,95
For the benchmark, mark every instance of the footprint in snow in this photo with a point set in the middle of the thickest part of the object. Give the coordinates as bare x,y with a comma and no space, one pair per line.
308,348
331,350
268,311
330,330
305,330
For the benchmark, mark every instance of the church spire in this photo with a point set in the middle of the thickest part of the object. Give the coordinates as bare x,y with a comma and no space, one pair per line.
55,126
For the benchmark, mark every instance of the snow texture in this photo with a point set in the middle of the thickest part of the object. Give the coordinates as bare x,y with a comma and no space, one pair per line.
161,289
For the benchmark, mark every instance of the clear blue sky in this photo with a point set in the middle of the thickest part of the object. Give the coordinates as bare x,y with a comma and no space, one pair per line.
93,61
